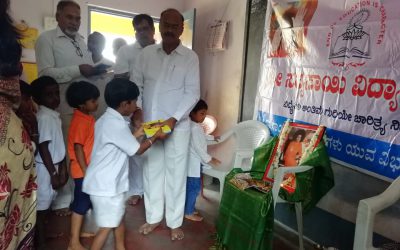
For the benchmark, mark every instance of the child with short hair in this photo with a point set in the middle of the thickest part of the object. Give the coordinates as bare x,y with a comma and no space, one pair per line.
82,96
106,179
27,113
50,162
197,155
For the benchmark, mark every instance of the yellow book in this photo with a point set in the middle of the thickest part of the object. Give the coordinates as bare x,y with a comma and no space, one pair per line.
150,128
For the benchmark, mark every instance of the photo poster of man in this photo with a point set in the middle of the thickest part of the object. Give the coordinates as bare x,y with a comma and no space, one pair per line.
334,63
296,142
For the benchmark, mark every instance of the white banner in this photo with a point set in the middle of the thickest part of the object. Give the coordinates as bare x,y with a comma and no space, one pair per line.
336,63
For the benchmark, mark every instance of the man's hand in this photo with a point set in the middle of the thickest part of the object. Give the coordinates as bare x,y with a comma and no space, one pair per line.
170,123
87,70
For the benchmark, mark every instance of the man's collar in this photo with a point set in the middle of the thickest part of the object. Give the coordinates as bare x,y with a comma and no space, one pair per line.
60,33
137,45
180,49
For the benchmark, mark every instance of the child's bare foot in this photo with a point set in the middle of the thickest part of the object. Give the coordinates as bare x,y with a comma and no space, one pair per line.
177,234
76,246
147,228
134,199
194,217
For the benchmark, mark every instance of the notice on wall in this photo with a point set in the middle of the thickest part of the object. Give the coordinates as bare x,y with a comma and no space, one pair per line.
337,64
216,40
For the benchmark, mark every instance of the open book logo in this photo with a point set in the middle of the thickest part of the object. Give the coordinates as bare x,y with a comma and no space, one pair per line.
352,47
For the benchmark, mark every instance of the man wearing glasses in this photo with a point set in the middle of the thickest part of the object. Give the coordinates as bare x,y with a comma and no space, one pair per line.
62,54
144,33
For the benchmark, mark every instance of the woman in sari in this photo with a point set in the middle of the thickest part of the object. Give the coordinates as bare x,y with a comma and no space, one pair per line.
17,172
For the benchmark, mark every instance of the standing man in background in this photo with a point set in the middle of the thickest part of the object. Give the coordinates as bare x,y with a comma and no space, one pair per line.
117,44
144,32
62,54
96,45
168,73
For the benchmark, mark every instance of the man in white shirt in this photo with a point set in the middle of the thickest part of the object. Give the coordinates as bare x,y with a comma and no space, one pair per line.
144,33
143,25
117,44
96,44
62,54
168,74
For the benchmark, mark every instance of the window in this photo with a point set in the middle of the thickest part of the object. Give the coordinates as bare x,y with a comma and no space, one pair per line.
114,24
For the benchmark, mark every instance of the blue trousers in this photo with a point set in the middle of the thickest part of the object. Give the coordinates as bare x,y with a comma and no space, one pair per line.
193,186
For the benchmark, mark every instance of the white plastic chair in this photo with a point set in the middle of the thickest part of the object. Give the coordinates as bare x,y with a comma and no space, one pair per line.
278,179
367,209
248,136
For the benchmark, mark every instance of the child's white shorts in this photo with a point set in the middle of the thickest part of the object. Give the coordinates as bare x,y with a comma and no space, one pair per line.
108,211
45,192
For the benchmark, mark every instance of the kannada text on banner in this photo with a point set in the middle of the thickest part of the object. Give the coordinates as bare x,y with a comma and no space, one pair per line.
337,64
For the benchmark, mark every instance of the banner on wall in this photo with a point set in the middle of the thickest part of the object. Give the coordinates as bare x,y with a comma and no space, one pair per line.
336,63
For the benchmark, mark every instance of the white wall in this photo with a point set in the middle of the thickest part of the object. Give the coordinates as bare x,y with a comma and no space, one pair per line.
220,72
33,11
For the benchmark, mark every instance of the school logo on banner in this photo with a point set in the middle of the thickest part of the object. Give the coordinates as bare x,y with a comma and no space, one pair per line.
336,64
350,37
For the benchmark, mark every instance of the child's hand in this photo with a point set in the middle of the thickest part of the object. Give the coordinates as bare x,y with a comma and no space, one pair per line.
63,173
214,162
139,132
137,118
217,138
160,135
55,181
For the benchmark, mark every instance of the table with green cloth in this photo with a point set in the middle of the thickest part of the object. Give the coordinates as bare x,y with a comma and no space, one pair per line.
246,217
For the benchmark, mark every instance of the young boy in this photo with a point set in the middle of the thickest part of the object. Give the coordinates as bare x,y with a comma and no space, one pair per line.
106,179
26,111
50,162
197,155
82,96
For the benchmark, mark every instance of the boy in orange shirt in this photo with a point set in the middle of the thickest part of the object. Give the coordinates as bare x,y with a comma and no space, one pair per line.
82,96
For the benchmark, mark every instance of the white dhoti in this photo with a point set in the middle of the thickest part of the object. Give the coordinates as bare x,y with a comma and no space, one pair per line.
135,175
164,179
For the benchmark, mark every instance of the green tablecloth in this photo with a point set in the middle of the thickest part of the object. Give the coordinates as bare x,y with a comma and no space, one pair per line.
311,185
246,218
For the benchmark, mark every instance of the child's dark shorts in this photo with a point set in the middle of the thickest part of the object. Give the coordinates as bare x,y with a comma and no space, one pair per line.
81,203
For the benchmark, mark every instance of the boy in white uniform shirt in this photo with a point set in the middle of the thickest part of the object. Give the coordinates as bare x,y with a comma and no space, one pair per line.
197,155
50,162
106,179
